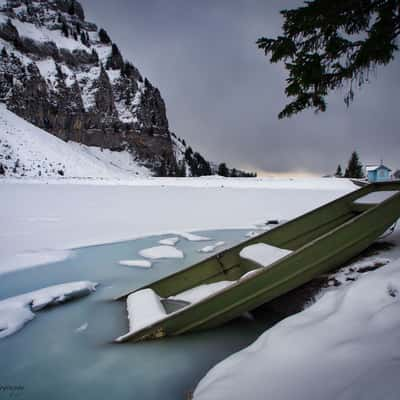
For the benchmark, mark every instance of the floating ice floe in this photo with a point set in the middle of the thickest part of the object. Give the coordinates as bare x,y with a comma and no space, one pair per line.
82,328
158,252
136,263
172,241
41,257
252,234
16,311
211,248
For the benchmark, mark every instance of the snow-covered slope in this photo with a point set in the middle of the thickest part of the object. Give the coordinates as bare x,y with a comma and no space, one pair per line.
26,150
66,76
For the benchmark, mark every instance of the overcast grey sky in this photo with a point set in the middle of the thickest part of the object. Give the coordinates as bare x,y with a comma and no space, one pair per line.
223,96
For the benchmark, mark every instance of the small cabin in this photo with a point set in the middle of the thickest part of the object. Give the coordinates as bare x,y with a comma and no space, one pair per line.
396,175
378,173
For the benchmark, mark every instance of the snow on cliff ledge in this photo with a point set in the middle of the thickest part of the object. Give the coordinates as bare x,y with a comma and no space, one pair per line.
344,347
26,150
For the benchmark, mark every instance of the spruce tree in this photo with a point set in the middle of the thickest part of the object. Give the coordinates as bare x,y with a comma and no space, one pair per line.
181,170
339,173
59,73
188,153
95,55
71,9
223,170
354,168
115,60
83,38
203,167
327,44
128,99
64,29
16,166
103,36
161,169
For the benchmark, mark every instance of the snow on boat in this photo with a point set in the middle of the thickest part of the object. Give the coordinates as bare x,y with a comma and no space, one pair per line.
262,268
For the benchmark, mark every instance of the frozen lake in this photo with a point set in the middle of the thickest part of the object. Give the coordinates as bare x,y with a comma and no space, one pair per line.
67,351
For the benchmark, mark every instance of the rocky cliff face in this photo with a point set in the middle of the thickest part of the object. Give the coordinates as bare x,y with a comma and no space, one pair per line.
64,75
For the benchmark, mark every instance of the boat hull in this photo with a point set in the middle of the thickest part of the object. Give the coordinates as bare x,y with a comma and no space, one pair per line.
321,240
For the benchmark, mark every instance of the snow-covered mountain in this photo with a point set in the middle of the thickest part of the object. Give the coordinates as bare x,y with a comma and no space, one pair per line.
26,150
66,76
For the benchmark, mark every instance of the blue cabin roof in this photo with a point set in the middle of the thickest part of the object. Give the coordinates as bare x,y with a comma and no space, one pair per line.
376,167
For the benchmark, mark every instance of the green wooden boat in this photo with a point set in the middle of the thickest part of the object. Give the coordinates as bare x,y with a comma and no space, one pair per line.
239,279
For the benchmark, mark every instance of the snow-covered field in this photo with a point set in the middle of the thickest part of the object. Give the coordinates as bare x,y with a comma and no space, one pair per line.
44,219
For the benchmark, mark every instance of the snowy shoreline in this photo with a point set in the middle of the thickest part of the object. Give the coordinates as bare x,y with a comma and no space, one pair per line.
213,181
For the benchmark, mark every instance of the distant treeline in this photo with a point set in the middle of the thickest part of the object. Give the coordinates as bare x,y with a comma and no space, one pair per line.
194,164
223,170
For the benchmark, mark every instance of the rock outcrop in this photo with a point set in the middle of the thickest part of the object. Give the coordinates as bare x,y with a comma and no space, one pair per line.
64,75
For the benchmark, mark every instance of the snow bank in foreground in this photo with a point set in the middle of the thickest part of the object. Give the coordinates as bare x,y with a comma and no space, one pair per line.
16,311
345,346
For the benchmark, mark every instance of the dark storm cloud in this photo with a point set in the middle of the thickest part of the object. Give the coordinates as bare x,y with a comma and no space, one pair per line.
223,96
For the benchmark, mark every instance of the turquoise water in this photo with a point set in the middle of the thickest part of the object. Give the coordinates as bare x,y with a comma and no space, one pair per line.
50,359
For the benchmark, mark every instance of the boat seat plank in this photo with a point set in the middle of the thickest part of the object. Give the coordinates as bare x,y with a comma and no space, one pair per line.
376,197
263,254
144,308
200,292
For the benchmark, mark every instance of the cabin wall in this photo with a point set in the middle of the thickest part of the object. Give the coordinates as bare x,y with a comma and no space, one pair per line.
382,175
371,176
379,175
